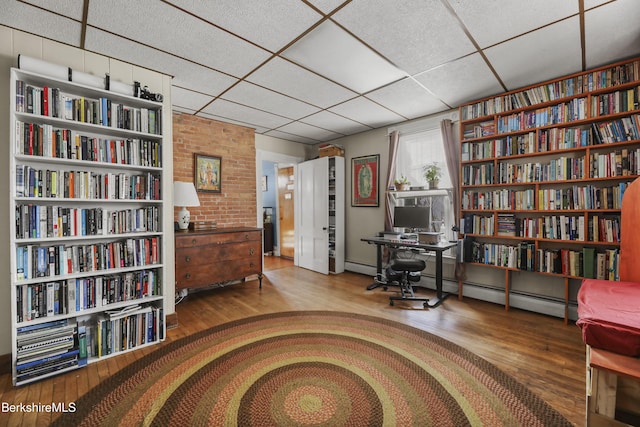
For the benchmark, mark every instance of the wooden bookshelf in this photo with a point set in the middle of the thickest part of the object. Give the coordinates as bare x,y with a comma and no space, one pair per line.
543,172
86,197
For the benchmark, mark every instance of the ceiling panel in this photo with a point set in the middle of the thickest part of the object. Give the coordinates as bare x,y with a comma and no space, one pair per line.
415,35
181,34
338,124
22,16
330,51
461,81
621,42
368,112
289,79
272,24
267,100
491,22
530,58
408,98
241,113
230,55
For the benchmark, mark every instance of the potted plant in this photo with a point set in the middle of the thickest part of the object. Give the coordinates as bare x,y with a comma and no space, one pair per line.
432,174
401,183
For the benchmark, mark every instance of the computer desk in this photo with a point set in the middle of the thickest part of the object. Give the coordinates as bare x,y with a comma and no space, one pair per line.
400,244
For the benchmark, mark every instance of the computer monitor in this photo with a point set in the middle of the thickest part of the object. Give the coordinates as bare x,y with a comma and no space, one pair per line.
413,217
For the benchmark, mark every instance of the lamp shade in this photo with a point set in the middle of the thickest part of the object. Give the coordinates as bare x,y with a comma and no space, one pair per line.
184,194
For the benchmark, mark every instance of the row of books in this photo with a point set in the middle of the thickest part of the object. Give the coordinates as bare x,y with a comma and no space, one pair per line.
479,130
621,162
46,221
52,102
610,77
566,112
619,101
71,296
46,348
51,183
477,224
560,169
33,262
503,199
47,141
122,330
583,263
619,130
553,227
481,174
582,197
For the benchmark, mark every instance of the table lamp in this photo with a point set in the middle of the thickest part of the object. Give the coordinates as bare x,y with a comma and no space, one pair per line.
184,194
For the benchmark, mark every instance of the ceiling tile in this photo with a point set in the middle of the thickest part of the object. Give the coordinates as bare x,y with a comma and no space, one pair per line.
490,22
244,114
21,16
333,122
368,112
299,128
188,99
69,8
408,99
531,58
623,42
271,24
460,81
258,129
287,78
185,36
187,74
332,52
326,6
415,35
290,137
267,100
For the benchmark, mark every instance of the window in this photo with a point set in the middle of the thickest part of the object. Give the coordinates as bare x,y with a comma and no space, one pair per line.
418,146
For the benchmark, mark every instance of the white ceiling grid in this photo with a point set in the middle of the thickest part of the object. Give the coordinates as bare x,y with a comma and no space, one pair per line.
314,70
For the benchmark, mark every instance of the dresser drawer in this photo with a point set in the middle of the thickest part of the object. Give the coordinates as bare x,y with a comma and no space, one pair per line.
196,240
193,256
214,272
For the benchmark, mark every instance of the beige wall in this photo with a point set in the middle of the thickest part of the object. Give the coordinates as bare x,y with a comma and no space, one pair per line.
13,43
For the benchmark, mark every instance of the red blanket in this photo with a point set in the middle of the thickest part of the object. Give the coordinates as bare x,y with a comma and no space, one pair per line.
609,315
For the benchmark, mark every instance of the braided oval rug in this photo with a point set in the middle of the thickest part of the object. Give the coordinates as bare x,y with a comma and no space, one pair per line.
311,369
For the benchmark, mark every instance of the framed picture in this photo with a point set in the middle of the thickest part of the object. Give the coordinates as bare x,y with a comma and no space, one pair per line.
207,173
365,172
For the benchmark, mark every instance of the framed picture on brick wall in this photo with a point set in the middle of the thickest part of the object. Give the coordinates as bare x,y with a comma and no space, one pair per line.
208,173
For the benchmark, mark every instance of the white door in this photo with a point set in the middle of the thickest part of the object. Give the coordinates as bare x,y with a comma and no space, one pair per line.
312,226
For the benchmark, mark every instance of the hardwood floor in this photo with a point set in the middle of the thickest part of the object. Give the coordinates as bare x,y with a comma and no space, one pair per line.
540,351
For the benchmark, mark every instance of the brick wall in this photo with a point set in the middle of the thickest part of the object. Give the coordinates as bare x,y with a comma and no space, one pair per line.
236,204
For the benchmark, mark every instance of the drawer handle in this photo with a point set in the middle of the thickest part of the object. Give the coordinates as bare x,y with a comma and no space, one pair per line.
194,241
188,275
246,237
188,259
251,251
251,264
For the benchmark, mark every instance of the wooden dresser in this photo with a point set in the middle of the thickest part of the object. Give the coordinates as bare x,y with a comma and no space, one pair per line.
217,257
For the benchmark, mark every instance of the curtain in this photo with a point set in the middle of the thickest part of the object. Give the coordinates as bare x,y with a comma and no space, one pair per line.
394,137
452,155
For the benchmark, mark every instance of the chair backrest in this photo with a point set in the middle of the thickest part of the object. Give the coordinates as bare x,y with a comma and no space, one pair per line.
630,234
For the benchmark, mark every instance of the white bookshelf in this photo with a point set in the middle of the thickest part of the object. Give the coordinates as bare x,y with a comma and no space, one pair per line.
102,242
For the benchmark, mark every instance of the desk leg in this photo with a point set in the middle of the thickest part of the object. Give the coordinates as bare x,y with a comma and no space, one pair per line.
440,295
378,280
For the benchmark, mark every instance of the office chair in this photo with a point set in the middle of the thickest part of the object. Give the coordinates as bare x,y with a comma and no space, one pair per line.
404,271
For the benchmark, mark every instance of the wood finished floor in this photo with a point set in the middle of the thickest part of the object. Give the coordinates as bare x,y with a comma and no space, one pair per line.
540,351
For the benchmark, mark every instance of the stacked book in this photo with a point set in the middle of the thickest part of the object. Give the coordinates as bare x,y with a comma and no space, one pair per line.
46,348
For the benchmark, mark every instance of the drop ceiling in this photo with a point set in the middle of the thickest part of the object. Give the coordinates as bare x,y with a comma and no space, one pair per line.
312,71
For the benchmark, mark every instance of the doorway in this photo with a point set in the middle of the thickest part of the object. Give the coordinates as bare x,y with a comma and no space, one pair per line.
286,216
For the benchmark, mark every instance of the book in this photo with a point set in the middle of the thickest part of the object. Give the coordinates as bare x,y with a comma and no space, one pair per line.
588,262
